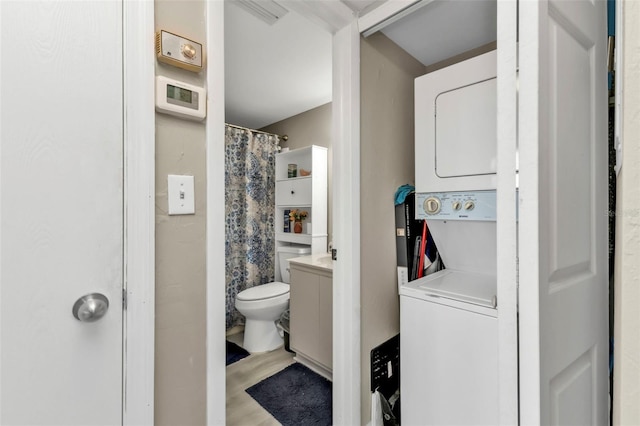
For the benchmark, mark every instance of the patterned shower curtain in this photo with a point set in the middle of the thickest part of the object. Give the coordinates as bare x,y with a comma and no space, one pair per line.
250,211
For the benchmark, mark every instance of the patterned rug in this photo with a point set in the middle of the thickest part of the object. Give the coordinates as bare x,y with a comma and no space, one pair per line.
295,396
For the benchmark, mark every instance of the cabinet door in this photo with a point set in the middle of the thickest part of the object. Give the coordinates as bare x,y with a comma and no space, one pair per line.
563,296
304,312
311,315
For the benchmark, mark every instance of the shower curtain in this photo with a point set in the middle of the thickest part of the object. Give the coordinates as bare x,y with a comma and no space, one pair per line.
250,210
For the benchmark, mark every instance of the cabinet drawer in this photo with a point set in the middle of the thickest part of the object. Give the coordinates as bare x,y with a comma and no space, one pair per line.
296,192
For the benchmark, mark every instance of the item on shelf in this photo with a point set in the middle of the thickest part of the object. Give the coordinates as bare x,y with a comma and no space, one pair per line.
286,221
304,172
298,216
292,170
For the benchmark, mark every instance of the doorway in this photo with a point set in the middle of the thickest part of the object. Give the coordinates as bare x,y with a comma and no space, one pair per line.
278,80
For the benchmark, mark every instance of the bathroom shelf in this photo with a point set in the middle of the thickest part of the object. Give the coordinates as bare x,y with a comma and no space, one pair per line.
303,193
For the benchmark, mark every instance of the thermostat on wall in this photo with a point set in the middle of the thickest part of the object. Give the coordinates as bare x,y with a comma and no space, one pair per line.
178,51
180,99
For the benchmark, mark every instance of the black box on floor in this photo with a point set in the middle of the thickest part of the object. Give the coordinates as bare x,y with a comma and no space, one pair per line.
385,375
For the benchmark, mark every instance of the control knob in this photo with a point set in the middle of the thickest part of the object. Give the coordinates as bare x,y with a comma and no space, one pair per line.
469,205
432,205
189,51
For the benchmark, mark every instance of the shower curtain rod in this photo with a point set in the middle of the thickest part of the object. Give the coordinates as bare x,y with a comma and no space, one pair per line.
283,137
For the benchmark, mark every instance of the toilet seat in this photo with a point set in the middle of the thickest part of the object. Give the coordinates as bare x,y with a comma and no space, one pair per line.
264,291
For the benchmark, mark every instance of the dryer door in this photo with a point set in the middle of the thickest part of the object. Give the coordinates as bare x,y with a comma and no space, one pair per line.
465,130
455,143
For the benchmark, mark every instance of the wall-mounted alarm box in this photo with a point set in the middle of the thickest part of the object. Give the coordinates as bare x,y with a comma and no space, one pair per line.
178,51
180,99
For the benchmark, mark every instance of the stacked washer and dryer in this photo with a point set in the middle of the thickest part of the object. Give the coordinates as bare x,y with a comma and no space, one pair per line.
448,320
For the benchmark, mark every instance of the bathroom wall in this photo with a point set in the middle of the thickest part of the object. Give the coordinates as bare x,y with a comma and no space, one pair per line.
180,363
386,162
311,127
626,384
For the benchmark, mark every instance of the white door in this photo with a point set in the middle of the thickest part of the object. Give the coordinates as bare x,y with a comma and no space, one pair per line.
563,301
61,210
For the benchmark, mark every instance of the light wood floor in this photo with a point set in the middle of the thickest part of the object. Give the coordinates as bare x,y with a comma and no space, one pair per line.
242,410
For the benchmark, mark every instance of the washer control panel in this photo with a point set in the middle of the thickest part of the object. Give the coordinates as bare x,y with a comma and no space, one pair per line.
463,205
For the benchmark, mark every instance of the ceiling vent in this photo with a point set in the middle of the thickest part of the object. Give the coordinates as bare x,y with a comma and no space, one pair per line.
267,10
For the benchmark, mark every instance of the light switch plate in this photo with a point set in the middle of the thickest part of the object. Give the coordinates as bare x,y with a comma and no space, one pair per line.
181,195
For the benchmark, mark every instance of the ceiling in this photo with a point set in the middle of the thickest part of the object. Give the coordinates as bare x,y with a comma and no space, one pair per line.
442,29
275,71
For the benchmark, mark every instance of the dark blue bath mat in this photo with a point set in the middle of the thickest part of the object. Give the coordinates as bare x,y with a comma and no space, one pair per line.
235,353
295,396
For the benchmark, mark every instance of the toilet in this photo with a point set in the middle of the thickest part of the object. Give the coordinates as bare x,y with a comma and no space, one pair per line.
263,305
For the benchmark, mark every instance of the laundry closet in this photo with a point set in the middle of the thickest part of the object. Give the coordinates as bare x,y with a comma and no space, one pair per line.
548,177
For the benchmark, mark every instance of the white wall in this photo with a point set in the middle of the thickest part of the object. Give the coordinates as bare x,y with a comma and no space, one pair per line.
626,386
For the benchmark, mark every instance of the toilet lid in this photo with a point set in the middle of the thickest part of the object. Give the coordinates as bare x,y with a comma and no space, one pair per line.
264,291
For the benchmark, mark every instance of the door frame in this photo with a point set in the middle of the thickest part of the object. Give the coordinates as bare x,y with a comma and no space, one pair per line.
346,226
507,226
139,212
215,256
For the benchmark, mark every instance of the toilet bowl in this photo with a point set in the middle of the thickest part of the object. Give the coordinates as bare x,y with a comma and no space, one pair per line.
263,305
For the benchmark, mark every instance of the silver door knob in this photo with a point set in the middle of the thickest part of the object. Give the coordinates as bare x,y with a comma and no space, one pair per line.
90,307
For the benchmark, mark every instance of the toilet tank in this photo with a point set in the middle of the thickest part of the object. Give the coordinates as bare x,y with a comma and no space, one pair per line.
289,252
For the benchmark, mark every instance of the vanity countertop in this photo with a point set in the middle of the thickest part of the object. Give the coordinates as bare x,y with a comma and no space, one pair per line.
321,261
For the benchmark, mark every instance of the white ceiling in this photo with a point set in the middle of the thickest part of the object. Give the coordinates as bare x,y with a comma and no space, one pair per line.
273,72
443,29
363,6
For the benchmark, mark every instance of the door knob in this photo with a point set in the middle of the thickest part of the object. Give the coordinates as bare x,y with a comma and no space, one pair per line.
90,307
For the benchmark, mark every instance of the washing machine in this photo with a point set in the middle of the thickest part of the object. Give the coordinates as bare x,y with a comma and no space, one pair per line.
448,320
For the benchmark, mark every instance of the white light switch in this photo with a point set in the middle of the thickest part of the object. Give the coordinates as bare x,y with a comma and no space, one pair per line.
181,195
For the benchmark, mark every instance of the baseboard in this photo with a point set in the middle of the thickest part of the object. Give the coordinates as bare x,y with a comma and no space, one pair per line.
314,366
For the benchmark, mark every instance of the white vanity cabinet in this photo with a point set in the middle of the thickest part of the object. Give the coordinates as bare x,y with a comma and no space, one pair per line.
307,193
311,307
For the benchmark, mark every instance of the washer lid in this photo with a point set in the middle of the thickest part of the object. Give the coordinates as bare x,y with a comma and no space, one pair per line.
264,291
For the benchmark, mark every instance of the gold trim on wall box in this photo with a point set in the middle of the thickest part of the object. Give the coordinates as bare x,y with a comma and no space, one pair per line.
173,49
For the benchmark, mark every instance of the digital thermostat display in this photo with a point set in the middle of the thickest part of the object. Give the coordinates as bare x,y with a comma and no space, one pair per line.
180,99
179,94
